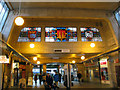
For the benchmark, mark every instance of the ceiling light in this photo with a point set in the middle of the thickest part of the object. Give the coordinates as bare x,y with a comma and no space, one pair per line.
73,61
92,45
34,58
38,55
73,55
32,45
19,21
38,62
82,57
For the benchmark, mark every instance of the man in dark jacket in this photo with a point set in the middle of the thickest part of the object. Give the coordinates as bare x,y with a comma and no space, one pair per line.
35,78
60,77
79,75
49,80
40,78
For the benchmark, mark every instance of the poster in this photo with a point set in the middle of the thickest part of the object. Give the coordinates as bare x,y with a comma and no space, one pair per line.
104,71
30,81
4,59
104,74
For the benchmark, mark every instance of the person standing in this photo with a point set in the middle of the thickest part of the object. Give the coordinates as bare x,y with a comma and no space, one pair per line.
79,75
35,78
44,77
56,78
49,80
60,77
40,78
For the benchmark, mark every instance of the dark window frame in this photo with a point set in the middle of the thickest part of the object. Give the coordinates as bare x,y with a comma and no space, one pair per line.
7,10
114,12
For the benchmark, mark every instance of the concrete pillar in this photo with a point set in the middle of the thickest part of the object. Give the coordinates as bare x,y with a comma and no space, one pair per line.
112,72
44,68
119,44
0,63
41,69
29,72
81,69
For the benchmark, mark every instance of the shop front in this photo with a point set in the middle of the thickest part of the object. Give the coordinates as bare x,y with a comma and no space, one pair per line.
92,72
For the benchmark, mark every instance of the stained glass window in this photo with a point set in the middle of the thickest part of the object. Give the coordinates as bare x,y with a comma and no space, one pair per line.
60,34
30,34
90,34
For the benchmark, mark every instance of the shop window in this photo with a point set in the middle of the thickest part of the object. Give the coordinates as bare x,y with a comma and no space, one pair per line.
90,34
30,34
60,34
3,13
117,15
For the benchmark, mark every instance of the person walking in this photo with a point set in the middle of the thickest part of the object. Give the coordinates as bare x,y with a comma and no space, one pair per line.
56,79
79,75
40,78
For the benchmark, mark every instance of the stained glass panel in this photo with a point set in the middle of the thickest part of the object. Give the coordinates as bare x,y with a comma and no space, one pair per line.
90,34
30,34
60,34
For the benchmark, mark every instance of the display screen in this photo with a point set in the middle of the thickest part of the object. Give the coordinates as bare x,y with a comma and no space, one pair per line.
60,34
30,34
90,34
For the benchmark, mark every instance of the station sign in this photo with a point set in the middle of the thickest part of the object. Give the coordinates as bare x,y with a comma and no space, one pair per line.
4,59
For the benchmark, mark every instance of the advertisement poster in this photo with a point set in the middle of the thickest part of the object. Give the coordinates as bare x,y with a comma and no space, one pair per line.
104,71
104,74
4,59
30,81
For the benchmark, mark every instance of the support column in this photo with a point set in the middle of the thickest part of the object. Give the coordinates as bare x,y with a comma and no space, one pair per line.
81,69
0,63
68,77
112,72
44,68
41,69
0,76
119,44
29,72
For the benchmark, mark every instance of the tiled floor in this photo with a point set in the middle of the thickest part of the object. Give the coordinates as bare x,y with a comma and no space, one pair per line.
76,85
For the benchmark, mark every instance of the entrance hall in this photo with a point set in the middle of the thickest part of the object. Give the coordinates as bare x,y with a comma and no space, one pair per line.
54,45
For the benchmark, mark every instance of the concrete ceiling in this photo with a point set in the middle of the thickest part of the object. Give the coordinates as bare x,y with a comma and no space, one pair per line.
57,57
46,50
80,5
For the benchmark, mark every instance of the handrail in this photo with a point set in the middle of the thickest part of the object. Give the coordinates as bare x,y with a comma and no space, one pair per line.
101,54
16,52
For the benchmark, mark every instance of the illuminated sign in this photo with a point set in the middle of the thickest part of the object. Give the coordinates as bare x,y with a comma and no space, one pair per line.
103,62
4,59
16,65
104,71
